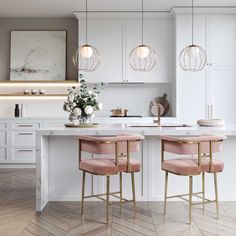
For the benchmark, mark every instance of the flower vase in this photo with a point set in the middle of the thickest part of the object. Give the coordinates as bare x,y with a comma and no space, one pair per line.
85,120
73,119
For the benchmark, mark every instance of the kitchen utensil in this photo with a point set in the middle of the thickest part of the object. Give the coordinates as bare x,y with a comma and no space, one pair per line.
163,101
154,109
119,112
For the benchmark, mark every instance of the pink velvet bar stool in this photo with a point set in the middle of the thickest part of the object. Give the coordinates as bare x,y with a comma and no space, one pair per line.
201,149
120,148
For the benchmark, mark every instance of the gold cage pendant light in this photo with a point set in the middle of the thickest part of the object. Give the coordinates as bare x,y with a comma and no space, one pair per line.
87,57
142,58
193,57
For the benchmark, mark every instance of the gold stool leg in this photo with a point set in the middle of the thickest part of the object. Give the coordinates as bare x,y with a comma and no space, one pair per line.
190,198
165,196
107,200
83,188
120,189
216,195
133,191
203,191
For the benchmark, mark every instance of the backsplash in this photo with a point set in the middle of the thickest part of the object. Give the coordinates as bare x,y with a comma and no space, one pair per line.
136,98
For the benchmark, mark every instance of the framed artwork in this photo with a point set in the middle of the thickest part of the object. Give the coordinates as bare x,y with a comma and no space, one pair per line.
38,55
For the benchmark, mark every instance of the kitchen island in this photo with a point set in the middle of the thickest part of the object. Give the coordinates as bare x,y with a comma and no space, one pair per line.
59,179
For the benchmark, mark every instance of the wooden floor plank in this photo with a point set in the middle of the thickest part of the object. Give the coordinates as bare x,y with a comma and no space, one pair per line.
17,215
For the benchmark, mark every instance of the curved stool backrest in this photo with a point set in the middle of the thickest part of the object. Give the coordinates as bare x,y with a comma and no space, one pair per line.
107,144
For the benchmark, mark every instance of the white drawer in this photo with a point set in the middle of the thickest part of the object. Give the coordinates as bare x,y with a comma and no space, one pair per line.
3,125
24,138
3,138
3,154
24,154
26,126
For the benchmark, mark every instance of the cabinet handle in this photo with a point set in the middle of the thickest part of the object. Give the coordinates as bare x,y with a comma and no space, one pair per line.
25,133
24,125
25,150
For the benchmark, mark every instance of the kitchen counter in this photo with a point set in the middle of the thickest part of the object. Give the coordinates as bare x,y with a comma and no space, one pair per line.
140,128
58,176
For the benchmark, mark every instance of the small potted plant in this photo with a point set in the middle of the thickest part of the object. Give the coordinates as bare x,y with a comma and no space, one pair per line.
82,103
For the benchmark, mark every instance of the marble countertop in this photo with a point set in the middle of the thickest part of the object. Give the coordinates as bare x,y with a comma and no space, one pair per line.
113,129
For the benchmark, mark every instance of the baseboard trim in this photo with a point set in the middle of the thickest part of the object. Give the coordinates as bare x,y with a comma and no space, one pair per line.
17,166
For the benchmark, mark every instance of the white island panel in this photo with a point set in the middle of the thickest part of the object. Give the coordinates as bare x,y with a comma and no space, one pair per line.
59,179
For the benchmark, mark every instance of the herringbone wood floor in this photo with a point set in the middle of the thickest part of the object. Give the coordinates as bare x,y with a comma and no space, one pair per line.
17,215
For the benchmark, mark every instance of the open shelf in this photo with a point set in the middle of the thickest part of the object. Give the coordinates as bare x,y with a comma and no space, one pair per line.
56,83
32,96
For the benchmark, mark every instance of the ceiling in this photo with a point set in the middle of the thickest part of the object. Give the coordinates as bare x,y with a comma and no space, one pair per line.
64,8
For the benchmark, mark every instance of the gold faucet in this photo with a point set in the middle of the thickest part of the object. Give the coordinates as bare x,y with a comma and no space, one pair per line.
157,119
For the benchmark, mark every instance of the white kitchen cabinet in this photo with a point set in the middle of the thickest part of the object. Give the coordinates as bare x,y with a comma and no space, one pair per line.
4,141
107,37
158,33
215,84
222,38
115,37
192,87
23,155
222,48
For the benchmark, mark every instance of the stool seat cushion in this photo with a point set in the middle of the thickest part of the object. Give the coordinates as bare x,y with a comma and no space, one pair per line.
106,166
189,166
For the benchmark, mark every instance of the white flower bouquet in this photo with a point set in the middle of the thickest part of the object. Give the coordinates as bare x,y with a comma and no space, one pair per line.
82,103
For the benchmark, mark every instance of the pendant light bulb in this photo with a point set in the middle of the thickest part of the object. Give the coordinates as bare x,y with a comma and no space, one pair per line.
142,51
86,51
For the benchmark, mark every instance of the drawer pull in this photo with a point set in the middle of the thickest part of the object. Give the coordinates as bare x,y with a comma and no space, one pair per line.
25,150
24,125
25,133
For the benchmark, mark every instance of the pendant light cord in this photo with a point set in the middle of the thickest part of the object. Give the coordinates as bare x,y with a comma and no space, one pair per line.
86,22
142,22
192,22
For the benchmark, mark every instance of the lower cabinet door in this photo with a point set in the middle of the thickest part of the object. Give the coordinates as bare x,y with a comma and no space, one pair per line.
24,138
3,154
25,155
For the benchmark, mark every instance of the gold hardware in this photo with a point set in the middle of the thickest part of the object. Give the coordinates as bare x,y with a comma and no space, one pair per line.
165,198
107,199
203,191
216,195
83,188
190,198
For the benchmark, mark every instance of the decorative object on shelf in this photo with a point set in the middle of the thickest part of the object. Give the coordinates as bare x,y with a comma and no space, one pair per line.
22,110
193,57
34,91
26,91
119,112
17,110
38,56
142,58
86,58
162,102
82,103
42,91
211,122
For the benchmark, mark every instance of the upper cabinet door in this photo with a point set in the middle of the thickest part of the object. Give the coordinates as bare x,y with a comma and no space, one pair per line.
192,87
158,33
107,37
223,40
